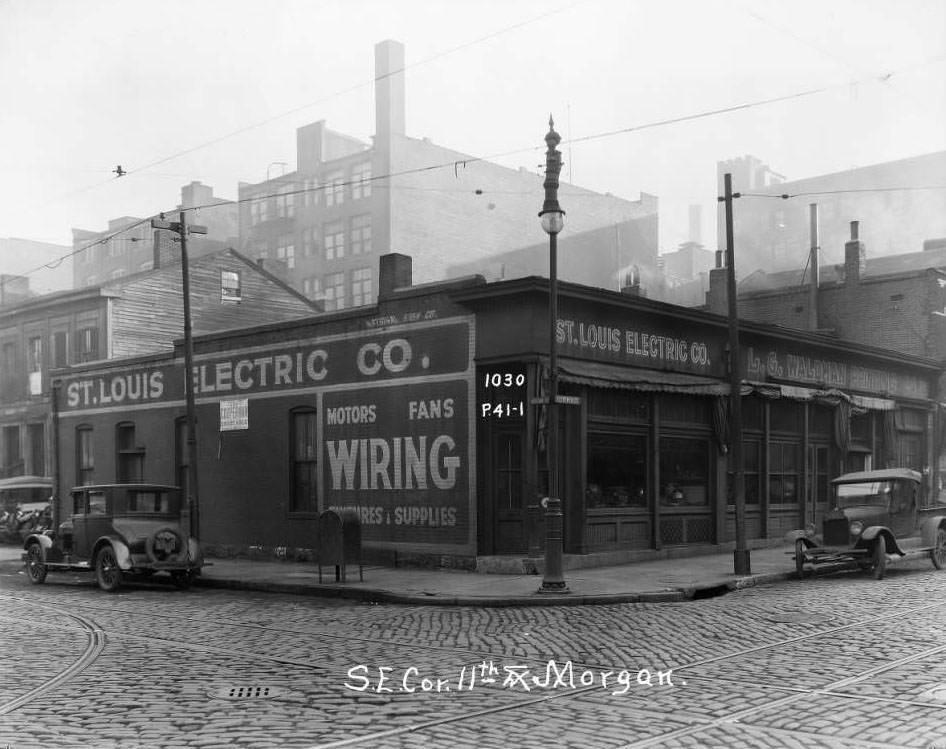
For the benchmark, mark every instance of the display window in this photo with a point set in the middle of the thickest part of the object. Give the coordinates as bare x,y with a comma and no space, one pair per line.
684,472
616,471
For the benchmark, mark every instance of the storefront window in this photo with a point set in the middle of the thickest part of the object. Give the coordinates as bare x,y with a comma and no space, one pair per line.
684,472
783,473
617,471
303,460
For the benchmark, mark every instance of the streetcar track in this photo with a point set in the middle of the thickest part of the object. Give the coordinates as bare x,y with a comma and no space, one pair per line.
486,652
155,639
739,715
94,647
698,722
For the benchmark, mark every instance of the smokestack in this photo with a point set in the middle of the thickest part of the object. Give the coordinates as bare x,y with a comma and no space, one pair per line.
855,254
696,223
814,261
389,89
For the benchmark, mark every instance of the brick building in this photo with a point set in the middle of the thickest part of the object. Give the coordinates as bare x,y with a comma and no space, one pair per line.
422,414
773,234
348,202
135,315
897,302
128,245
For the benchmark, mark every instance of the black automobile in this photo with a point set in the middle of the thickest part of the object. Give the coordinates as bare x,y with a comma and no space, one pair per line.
117,530
876,516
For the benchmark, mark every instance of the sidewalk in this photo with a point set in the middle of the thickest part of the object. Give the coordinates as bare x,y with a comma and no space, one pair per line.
651,581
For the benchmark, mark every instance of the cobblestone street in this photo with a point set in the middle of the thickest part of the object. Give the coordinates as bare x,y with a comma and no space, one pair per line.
835,661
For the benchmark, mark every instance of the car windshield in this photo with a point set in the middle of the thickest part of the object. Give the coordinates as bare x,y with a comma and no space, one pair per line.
864,493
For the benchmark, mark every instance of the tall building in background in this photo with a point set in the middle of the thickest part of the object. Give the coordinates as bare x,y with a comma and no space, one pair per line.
348,202
47,266
898,202
128,245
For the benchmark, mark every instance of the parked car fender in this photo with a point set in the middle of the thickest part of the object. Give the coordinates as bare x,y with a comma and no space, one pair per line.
122,552
870,533
46,543
930,526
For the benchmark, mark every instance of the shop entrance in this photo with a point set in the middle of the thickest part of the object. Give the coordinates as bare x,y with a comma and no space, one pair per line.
508,497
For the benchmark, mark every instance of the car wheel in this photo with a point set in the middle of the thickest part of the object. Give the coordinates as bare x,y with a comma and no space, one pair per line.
879,557
183,579
107,572
35,567
938,554
800,558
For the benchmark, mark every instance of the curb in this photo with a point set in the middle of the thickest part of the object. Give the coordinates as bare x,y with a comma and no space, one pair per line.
375,595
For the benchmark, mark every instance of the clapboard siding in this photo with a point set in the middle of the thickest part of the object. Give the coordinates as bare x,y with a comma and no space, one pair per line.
148,314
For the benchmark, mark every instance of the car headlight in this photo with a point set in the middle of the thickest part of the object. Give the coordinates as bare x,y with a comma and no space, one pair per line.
856,527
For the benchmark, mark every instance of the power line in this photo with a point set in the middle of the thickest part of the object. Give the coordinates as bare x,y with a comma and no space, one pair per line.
358,86
456,164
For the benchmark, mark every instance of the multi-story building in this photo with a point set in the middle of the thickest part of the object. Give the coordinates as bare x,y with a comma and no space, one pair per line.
612,257
48,265
904,200
127,246
133,316
348,202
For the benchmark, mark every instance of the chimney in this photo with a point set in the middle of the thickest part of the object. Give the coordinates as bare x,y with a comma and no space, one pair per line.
855,254
394,273
389,90
814,261
717,296
632,282
163,244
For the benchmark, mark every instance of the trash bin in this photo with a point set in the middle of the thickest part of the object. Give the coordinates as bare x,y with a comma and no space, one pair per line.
339,543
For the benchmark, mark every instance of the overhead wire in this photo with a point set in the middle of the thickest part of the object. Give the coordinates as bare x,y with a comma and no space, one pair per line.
467,160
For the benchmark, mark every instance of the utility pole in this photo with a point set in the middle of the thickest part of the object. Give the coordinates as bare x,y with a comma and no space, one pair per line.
741,562
193,506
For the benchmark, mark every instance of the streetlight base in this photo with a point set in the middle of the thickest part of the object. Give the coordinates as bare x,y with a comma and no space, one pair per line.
741,563
552,586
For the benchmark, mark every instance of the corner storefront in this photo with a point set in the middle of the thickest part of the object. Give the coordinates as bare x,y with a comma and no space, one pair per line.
425,416
645,429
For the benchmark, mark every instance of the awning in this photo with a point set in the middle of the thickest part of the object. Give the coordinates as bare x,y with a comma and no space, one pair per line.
797,392
596,374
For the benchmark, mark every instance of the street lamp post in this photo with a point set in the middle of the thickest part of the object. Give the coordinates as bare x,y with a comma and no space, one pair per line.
553,219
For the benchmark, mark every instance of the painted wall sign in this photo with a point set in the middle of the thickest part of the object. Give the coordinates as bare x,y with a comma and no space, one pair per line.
413,349
637,346
776,364
400,459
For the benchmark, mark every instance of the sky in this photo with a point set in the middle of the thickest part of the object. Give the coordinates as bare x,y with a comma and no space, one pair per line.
213,90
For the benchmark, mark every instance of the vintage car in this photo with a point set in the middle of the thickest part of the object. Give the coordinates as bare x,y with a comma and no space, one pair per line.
117,530
875,516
